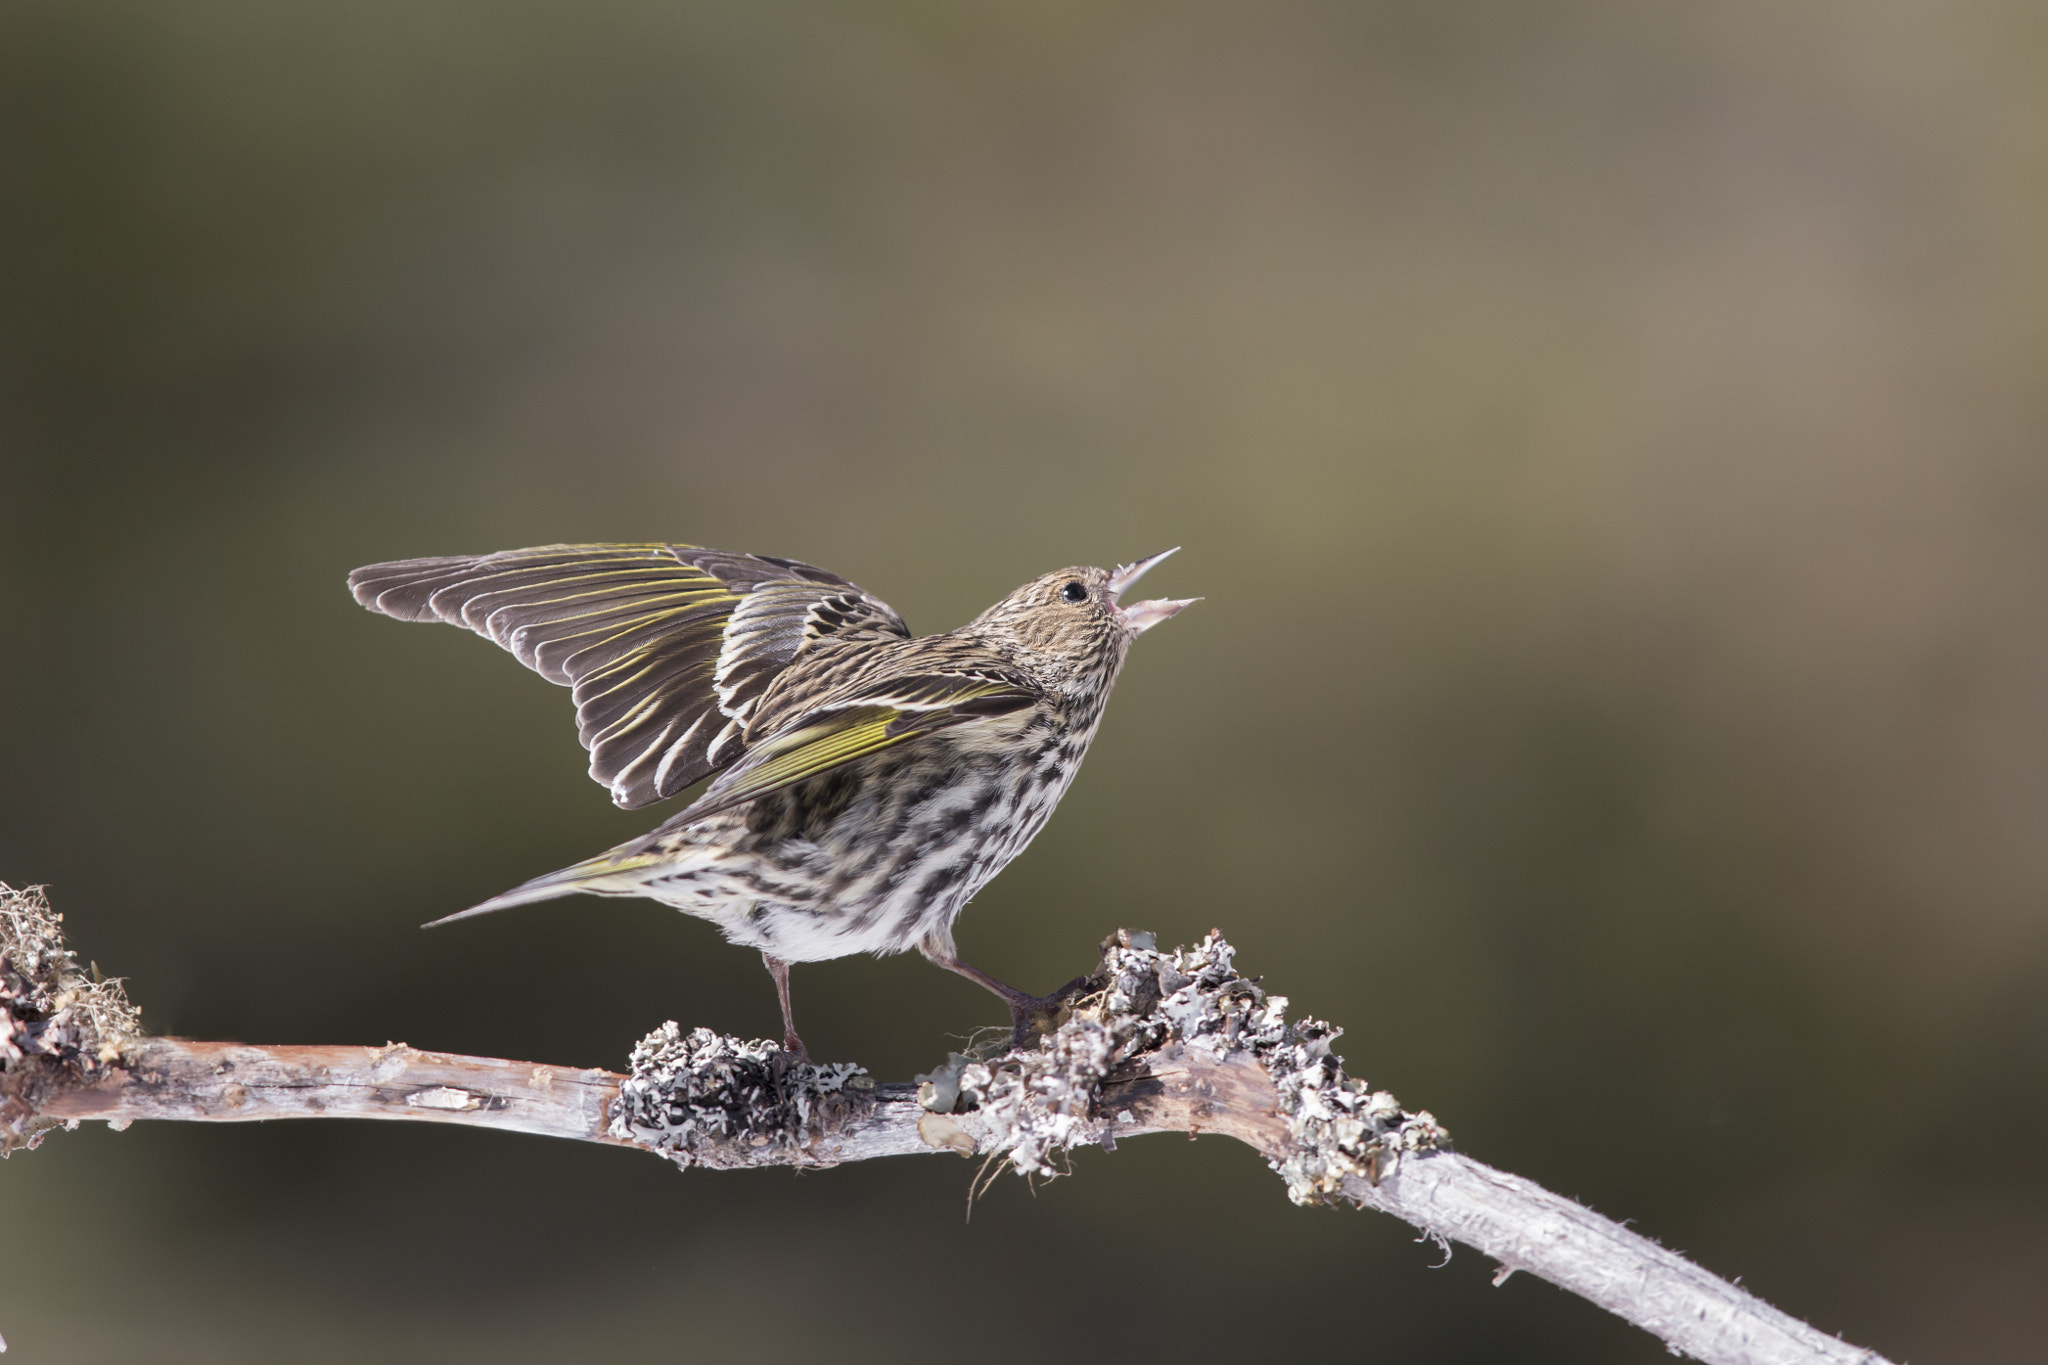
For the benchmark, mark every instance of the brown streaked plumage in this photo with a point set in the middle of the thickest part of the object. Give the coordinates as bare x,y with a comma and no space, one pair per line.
868,782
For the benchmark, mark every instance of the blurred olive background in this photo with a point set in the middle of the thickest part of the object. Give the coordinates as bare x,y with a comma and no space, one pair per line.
1609,440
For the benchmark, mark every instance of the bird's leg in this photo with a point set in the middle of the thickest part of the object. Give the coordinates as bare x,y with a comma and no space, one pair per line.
791,1044
1023,1008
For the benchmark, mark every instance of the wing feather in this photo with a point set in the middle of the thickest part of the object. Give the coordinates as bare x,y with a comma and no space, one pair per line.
862,720
665,647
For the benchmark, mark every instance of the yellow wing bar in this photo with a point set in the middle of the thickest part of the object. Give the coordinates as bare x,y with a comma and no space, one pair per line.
829,740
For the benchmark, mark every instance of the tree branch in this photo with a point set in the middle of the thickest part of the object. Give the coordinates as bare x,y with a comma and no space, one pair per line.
1156,1042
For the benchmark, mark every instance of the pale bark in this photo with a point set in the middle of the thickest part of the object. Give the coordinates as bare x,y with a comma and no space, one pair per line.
1157,1042
1515,1221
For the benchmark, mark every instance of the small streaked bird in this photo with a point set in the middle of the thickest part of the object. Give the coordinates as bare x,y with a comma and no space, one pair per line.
869,781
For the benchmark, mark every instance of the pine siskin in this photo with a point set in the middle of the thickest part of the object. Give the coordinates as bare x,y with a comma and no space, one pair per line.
869,782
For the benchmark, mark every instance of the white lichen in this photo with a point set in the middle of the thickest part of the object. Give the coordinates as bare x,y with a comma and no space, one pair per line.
57,1020
706,1099
1036,1102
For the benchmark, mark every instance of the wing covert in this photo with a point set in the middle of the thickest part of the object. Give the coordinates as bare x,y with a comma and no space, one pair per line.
858,722
667,649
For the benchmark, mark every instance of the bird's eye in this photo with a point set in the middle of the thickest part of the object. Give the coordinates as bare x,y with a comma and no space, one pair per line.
1075,591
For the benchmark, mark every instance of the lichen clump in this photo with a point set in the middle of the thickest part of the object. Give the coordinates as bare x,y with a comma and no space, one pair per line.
704,1099
1034,1103
57,1020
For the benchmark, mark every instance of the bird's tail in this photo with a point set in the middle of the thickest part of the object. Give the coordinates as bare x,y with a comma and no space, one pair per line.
618,873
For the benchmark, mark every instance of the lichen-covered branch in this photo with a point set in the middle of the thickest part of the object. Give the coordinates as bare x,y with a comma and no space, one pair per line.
60,1025
1154,1042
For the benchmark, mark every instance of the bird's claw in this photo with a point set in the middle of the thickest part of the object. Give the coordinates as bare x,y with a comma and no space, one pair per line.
1025,1009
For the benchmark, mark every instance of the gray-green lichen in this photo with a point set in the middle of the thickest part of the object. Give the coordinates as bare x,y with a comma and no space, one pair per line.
705,1099
58,1021
1033,1103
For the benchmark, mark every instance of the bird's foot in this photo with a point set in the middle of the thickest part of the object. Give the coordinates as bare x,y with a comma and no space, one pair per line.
794,1052
1025,1010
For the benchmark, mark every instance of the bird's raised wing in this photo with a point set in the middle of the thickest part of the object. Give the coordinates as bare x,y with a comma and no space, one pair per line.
861,720
668,649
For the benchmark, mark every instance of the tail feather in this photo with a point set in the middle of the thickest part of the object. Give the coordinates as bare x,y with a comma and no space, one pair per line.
603,875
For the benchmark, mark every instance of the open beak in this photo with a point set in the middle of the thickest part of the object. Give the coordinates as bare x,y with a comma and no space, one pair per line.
1140,617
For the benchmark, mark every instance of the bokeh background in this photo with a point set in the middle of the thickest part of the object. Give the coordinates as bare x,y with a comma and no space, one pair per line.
1610,442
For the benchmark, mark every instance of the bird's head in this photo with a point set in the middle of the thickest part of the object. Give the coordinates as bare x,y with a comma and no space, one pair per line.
1078,617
